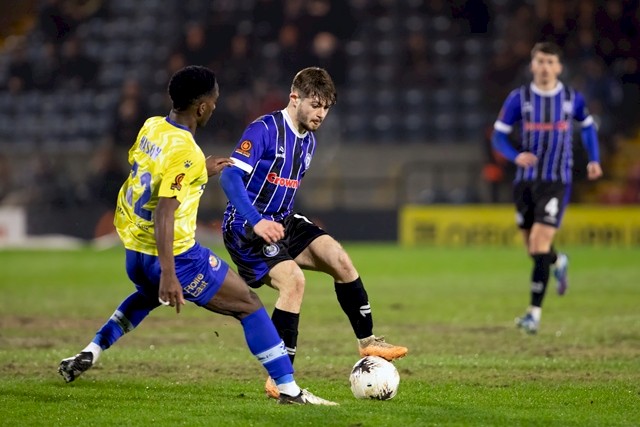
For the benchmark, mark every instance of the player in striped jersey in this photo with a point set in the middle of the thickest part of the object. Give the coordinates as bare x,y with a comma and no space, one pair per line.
546,110
268,241
156,220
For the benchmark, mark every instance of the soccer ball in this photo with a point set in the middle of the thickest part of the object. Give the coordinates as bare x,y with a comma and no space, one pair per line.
372,377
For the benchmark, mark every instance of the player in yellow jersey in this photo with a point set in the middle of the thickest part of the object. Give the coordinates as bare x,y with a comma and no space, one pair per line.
156,220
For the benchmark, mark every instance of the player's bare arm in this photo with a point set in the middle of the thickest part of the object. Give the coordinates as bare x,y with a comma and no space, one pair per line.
526,159
215,165
270,231
594,170
170,289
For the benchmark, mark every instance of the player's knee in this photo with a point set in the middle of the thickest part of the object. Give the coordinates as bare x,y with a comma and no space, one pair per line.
253,302
293,285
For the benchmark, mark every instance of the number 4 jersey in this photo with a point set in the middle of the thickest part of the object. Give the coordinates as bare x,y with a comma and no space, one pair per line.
165,162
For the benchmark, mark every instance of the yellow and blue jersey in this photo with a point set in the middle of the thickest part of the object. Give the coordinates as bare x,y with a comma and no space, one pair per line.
165,162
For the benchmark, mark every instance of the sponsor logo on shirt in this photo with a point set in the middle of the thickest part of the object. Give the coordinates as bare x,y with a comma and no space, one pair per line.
561,125
177,183
282,182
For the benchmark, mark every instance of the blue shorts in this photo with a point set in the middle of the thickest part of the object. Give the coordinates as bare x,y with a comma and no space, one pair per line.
199,270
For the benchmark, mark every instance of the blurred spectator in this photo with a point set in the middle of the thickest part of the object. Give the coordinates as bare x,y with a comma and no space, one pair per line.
327,52
129,116
417,61
629,72
292,54
6,178
105,178
497,171
40,184
58,19
267,17
194,47
77,69
557,25
53,21
46,68
334,17
475,13
20,73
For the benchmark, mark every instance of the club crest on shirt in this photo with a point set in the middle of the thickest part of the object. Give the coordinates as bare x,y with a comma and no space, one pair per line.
177,182
307,160
567,107
244,148
271,250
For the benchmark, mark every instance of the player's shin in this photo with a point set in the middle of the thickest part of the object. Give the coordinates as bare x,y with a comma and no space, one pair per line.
286,324
539,277
354,301
265,343
127,316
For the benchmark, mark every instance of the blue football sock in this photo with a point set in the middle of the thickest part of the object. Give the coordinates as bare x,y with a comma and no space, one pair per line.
265,343
127,316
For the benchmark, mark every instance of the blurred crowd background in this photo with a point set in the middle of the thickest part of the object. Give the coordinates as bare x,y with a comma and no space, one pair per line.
79,77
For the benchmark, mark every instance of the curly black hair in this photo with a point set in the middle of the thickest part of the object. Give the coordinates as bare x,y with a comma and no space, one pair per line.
189,84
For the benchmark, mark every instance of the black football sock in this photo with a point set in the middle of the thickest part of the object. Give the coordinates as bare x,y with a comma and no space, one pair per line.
539,277
355,303
286,324
553,254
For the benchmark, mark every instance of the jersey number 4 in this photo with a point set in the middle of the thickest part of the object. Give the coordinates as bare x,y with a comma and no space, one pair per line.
552,207
138,206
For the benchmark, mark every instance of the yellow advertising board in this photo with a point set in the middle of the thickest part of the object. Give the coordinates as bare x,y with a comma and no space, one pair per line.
494,225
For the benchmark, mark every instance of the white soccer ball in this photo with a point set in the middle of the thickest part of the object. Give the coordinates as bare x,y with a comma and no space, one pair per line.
372,377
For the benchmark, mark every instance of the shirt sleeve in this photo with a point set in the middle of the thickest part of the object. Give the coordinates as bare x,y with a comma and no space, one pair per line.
181,168
581,112
509,114
250,148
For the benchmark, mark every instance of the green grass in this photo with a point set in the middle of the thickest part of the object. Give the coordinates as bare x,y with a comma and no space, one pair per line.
453,308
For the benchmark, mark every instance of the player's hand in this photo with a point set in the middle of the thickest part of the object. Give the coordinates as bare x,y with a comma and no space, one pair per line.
170,292
216,164
594,170
526,160
270,231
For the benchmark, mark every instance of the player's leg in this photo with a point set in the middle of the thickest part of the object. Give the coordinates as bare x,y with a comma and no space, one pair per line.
325,254
539,248
549,203
259,263
129,314
235,298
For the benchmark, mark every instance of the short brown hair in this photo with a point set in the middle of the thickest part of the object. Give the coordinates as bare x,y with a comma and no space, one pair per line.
548,48
315,81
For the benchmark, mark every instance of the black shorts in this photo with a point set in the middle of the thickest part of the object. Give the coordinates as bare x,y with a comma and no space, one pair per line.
254,257
540,201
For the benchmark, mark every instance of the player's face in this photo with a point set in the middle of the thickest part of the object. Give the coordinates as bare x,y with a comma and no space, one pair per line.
545,68
311,112
206,107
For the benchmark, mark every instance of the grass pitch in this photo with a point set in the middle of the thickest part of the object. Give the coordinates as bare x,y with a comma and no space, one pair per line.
453,308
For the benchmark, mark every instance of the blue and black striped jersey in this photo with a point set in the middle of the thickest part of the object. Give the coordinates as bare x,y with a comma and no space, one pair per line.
547,128
274,157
